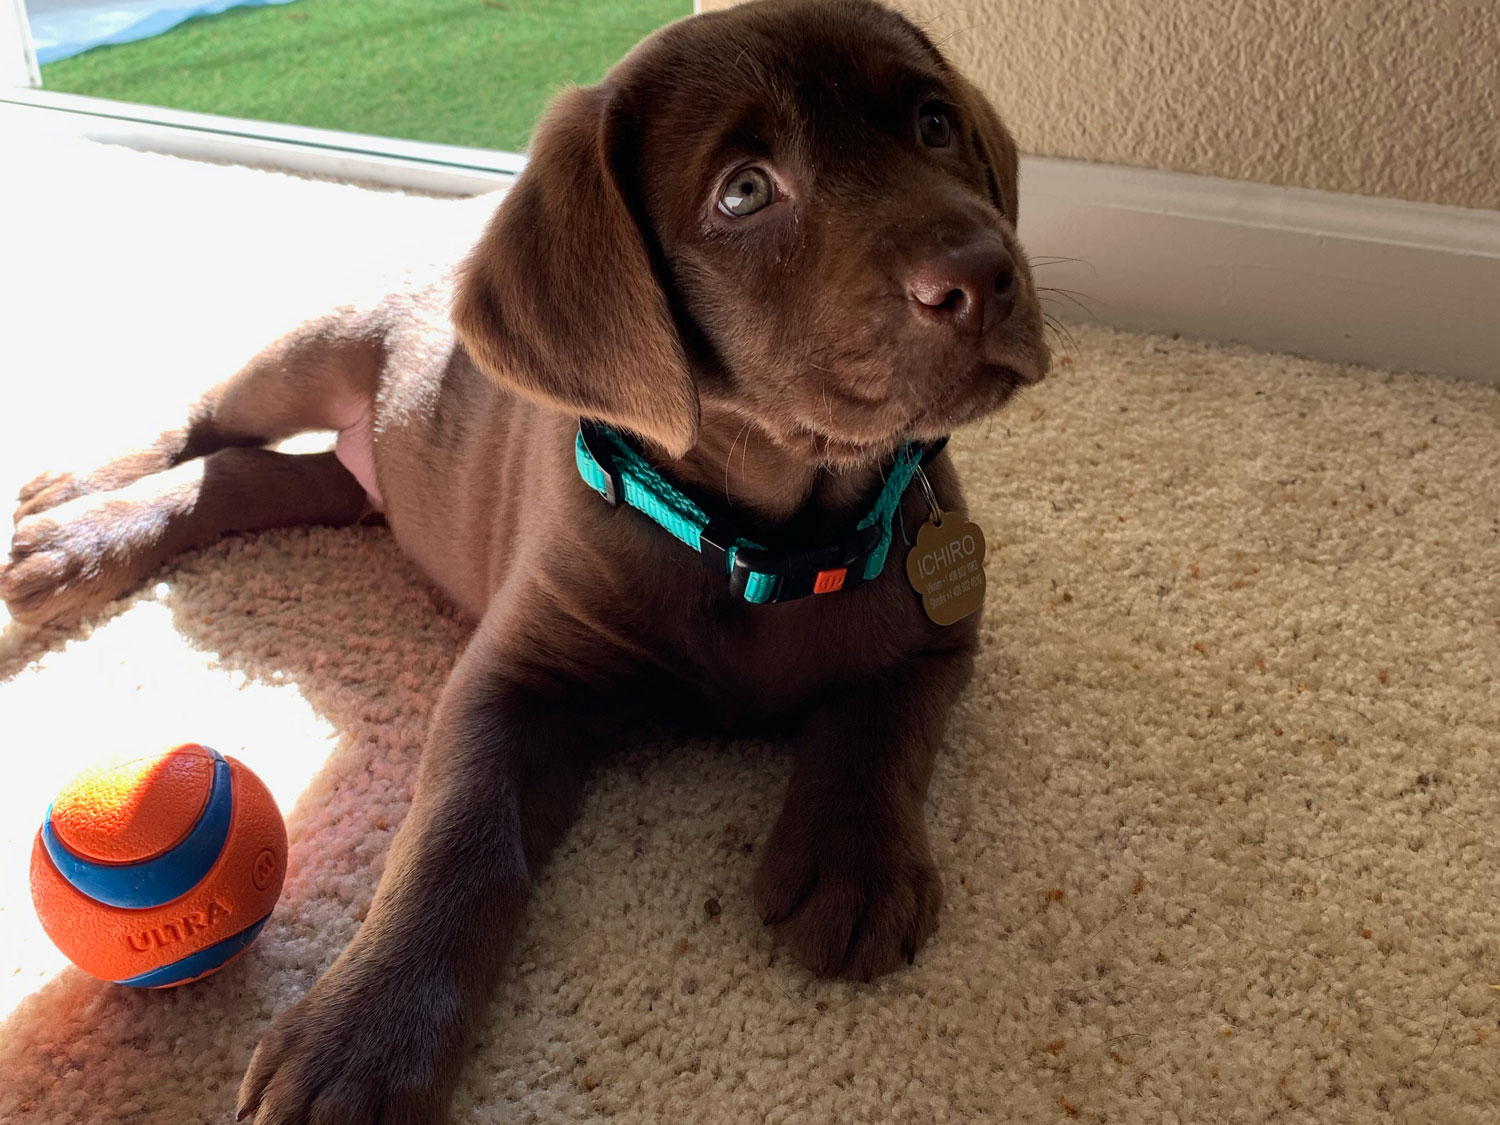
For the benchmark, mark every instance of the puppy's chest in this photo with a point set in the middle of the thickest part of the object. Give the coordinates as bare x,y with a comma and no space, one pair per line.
769,660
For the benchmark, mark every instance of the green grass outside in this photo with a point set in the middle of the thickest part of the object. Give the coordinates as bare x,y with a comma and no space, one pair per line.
467,72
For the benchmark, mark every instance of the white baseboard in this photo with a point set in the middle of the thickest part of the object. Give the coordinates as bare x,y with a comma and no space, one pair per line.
1405,286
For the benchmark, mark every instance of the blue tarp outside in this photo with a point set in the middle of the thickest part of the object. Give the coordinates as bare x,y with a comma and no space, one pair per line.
63,28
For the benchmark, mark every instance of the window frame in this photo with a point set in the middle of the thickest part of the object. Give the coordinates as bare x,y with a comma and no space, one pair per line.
356,157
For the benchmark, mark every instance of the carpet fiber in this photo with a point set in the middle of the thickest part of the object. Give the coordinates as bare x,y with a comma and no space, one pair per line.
1217,815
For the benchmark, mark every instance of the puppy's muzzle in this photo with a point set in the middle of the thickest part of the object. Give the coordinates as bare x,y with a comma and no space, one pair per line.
972,290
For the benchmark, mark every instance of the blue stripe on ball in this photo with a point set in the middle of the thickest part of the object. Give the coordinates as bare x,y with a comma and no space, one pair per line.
196,964
153,882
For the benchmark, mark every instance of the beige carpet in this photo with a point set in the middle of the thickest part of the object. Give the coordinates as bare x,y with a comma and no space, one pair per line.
1217,814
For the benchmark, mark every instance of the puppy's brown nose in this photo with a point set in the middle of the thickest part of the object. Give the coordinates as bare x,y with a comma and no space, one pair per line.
973,288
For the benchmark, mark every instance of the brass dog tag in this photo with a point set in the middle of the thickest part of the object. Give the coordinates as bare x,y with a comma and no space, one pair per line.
947,567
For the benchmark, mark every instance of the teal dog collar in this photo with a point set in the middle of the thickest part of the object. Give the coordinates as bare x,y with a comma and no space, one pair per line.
616,470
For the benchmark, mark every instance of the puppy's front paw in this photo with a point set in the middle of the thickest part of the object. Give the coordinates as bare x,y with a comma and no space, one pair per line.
72,560
853,899
51,573
365,1044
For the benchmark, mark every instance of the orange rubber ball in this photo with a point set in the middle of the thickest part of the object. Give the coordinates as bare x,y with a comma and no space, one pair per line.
159,870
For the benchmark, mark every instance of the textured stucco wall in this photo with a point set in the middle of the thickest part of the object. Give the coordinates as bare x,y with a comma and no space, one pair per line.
1397,98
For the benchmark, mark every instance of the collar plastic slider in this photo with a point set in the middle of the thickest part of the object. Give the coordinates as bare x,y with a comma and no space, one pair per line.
600,449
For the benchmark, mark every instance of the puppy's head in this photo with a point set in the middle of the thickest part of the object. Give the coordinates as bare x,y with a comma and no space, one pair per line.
792,214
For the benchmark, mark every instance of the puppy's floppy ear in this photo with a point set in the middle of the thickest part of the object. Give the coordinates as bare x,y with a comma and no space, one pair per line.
989,135
559,302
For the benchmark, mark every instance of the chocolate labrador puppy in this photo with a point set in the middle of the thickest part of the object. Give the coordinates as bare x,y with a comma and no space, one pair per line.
770,261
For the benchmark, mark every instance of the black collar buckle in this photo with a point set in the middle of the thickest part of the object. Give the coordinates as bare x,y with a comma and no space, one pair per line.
797,572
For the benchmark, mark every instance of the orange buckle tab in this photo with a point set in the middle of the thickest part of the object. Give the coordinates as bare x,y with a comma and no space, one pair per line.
830,580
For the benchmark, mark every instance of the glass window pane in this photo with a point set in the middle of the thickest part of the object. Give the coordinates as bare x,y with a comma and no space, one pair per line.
467,72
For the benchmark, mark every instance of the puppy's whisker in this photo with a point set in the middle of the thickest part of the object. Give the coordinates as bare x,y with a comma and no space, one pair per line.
1045,260
729,459
1060,330
1070,295
1058,289
955,34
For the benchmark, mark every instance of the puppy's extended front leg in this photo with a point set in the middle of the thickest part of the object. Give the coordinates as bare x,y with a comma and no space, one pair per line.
848,879
379,1037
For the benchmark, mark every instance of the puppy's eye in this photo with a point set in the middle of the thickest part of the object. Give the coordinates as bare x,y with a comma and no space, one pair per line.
934,127
747,191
